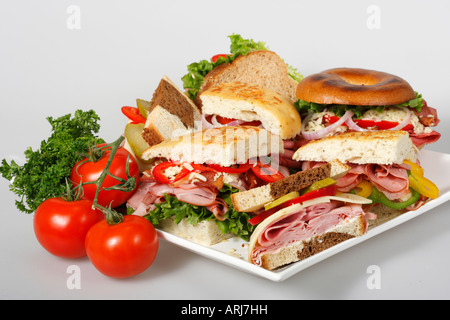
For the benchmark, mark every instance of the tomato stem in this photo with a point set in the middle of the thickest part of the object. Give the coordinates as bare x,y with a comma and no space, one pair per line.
112,216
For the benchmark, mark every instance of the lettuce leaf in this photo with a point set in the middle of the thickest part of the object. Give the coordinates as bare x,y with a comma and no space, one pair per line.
235,222
239,46
305,107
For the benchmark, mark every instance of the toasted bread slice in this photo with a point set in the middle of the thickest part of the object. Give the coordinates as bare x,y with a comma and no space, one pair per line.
262,68
170,110
224,146
243,101
380,147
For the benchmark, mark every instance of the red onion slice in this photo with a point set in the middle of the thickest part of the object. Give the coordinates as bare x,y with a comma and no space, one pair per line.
323,132
206,123
216,124
352,125
405,121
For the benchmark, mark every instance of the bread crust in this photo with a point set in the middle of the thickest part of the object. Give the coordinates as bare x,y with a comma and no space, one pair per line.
262,67
381,147
243,101
300,250
225,146
354,86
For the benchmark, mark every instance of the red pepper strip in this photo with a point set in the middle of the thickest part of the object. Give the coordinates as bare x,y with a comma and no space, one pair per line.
225,121
133,114
202,168
262,216
214,58
241,168
327,191
158,172
366,123
266,172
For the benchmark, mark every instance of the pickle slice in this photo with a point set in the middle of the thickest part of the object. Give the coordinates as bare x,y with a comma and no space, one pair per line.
319,185
133,134
144,107
286,197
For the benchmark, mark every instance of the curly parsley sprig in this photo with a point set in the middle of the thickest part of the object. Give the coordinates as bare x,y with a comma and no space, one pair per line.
46,169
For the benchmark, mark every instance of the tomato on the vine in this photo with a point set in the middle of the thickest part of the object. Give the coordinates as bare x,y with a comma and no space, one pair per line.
86,171
61,226
124,249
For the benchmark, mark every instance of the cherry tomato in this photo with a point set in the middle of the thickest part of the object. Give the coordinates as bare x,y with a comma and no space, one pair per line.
89,171
133,114
61,226
122,250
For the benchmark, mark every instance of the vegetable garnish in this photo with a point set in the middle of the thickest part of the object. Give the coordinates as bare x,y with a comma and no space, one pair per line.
378,197
419,183
44,174
193,80
304,107
329,190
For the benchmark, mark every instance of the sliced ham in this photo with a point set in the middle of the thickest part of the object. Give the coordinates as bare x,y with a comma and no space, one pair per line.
150,193
392,180
420,139
302,225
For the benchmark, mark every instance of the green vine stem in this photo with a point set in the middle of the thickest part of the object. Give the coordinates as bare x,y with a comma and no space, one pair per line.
112,216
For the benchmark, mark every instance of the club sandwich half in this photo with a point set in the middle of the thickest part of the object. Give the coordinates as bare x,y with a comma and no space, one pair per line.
187,191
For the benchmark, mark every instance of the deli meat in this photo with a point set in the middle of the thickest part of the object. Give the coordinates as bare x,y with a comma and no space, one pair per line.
150,193
302,225
392,180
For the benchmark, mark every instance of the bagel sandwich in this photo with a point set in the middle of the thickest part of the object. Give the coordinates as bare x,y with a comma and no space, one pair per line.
354,99
249,62
384,168
187,190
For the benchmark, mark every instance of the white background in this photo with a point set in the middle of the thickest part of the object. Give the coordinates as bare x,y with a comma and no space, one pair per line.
121,51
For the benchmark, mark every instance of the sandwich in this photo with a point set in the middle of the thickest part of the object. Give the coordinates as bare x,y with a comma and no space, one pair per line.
170,113
306,225
187,191
258,198
238,103
249,62
302,215
352,99
384,168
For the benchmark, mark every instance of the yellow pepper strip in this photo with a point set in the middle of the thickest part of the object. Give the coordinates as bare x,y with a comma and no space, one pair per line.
421,184
366,189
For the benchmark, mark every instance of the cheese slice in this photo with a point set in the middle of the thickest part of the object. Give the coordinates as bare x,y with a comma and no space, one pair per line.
344,197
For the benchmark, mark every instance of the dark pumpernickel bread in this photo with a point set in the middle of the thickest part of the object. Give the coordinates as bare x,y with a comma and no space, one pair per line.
300,180
175,101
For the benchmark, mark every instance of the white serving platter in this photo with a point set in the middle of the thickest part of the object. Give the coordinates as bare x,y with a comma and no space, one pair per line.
233,252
